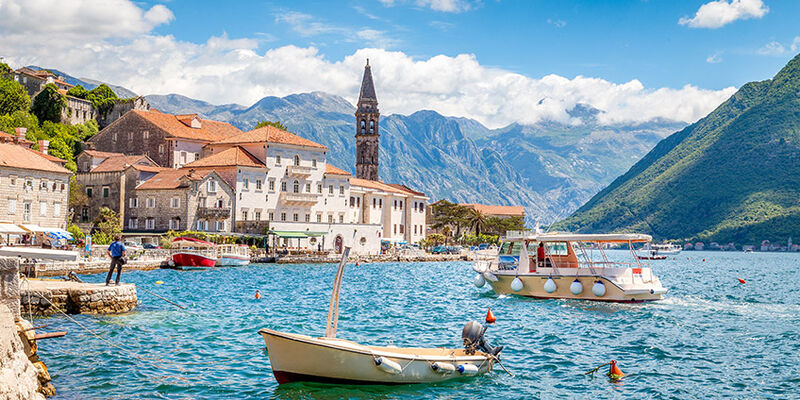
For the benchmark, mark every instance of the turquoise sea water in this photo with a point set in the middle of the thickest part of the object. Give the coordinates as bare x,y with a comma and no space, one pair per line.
710,338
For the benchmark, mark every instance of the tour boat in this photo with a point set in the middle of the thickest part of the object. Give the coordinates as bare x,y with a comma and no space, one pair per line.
666,249
575,266
232,255
191,252
327,359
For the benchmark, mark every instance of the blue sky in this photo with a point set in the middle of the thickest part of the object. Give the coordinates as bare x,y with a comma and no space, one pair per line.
614,40
497,61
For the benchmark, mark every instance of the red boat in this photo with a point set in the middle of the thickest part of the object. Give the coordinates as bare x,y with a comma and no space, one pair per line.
191,252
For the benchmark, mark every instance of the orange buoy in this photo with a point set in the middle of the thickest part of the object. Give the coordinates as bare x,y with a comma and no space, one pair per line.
742,280
258,295
490,317
614,372
704,260
357,263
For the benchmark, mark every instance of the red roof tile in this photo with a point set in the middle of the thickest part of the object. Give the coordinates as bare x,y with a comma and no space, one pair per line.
209,130
119,163
331,170
235,156
487,209
270,134
14,156
101,154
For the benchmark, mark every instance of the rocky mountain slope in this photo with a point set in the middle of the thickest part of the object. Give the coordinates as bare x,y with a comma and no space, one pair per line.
734,176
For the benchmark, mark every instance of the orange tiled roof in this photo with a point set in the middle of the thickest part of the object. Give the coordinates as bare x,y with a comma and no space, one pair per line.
378,185
235,156
14,156
119,163
517,211
102,154
209,130
52,158
331,170
270,134
173,179
148,168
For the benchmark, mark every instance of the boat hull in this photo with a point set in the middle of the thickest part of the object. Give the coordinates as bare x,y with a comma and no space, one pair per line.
302,358
189,259
533,286
231,260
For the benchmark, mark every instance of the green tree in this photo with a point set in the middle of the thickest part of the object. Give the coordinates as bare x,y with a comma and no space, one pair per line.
4,68
76,232
475,220
445,213
13,97
276,124
79,92
103,99
20,119
106,226
48,104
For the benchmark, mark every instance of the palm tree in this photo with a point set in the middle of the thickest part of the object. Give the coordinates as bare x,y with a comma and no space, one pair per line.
476,220
446,232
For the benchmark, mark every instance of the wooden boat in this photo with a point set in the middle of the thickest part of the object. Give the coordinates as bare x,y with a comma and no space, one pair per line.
328,359
232,255
38,253
569,271
191,252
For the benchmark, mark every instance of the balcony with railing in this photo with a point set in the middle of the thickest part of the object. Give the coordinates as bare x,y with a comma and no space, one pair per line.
299,171
299,198
213,213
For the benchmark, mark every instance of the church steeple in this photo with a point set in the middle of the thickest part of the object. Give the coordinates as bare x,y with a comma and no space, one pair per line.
367,135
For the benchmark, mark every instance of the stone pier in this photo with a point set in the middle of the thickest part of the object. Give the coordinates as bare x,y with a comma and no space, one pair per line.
47,297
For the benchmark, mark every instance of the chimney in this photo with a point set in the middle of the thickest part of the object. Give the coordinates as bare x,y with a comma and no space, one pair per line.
20,134
44,145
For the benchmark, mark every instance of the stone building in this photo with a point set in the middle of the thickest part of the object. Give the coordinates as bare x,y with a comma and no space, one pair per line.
34,190
35,81
367,134
121,107
78,111
170,140
183,199
109,182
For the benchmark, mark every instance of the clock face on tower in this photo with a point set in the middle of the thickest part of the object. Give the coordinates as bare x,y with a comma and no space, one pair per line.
367,134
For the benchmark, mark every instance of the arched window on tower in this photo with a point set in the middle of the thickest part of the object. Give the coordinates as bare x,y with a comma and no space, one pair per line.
363,126
296,187
297,160
371,126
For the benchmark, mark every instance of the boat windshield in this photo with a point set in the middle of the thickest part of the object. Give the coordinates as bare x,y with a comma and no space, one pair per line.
513,248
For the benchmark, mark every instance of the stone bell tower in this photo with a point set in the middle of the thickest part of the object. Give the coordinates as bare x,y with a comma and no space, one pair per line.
367,134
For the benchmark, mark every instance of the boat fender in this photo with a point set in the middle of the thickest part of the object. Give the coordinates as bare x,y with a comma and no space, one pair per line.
490,276
468,369
443,367
479,281
550,286
480,267
516,284
599,289
388,365
576,287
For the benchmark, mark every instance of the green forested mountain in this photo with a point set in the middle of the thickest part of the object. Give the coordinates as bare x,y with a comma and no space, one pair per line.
734,176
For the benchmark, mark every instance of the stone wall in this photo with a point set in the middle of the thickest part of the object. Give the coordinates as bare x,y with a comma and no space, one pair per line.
131,134
47,297
15,192
18,376
9,285
77,111
96,182
121,107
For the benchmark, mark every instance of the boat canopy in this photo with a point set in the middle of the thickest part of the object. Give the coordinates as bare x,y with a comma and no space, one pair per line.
191,242
594,238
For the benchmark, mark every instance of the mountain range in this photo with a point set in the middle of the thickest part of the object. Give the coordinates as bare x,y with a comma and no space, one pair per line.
733,176
550,168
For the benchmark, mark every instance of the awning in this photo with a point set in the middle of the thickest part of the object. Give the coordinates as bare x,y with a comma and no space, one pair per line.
56,233
297,234
32,228
6,228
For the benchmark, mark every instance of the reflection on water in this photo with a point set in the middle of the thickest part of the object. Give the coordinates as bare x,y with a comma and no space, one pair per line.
710,338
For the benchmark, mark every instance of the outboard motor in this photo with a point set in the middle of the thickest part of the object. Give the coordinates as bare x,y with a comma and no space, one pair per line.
473,336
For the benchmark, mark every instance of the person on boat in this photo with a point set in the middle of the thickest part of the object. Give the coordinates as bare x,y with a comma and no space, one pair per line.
540,255
116,252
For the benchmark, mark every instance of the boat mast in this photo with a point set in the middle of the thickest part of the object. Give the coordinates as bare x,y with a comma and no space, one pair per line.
333,308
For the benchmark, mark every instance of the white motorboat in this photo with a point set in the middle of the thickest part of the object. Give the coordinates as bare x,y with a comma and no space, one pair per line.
328,359
662,249
570,266
39,253
232,255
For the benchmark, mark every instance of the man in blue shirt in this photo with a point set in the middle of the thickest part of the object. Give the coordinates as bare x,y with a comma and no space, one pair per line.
116,251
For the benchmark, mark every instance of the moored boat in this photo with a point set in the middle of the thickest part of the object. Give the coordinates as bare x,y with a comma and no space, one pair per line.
665,249
563,266
328,359
232,255
191,252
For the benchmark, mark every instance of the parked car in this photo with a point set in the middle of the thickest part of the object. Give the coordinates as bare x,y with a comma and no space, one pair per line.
150,246
132,246
483,246
454,249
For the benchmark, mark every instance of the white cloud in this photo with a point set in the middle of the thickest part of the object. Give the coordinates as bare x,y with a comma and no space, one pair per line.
796,44
773,48
225,70
77,19
557,22
436,5
715,14
715,58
